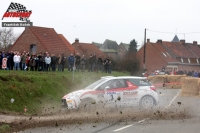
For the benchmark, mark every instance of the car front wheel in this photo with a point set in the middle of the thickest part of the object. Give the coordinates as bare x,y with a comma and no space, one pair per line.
87,104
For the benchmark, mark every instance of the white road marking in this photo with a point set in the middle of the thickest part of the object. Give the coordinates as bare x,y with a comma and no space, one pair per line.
173,100
143,120
129,125
123,128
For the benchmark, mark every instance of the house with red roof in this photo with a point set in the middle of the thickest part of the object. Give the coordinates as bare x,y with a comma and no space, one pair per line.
42,39
174,55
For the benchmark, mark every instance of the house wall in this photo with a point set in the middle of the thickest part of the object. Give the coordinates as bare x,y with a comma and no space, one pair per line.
188,67
121,52
25,40
153,60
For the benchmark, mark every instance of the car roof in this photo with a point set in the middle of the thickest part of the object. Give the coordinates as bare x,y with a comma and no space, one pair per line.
123,77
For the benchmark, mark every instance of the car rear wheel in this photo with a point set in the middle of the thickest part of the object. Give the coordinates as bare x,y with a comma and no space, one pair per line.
147,102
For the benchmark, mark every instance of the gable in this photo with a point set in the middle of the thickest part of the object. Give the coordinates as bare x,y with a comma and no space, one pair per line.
25,40
109,45
50,40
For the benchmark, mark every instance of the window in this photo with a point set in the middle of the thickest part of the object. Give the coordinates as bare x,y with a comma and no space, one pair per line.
140,82
164,54
188,60
182,60
93,85
115,83
33,48
168,54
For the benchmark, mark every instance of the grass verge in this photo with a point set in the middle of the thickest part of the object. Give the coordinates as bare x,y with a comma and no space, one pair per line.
4,128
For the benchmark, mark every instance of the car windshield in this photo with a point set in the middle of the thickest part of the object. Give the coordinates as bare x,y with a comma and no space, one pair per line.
93,85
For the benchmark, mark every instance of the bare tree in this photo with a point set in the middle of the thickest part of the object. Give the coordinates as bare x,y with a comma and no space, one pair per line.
7,37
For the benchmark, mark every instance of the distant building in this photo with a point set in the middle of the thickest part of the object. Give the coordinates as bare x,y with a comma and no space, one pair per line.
122,50
41,39
110,48
174,55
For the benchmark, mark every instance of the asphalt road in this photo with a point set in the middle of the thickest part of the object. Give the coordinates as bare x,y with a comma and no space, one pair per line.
174,114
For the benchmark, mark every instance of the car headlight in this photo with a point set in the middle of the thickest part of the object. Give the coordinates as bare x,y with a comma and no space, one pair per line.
69,101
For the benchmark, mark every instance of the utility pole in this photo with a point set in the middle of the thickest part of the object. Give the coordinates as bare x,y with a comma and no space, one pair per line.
144,59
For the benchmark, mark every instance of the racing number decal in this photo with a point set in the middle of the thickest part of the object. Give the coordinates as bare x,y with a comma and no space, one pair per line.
111,97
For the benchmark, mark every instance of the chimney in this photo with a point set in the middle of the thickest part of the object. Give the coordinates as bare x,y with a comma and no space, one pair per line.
76,40
159,41
148,40
195,42
182,41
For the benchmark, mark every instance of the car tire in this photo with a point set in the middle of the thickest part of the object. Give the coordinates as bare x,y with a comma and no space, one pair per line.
147,102
87,104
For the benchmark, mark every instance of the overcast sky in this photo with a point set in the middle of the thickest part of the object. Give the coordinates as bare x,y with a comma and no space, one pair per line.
117,20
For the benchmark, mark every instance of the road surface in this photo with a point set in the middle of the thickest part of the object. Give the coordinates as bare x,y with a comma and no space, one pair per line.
173,114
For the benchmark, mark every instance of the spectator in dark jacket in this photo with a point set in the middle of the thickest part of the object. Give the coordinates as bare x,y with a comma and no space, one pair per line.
77,61
71,62
90,63
53,62
59,58
99,64
93,62
83,63
189,73
196,74
63,62
106,61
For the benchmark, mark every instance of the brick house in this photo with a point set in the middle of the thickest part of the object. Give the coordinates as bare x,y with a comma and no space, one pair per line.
87,49
172,55
41,39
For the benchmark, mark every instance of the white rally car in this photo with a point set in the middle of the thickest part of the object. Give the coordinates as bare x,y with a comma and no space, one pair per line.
114,91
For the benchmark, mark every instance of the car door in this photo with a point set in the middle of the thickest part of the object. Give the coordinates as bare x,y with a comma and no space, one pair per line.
114,91
130,94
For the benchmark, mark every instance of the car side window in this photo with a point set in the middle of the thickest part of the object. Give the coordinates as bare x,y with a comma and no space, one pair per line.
117,83
140,82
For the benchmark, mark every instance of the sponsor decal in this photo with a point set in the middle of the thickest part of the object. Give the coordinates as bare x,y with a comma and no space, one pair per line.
130,93
111,93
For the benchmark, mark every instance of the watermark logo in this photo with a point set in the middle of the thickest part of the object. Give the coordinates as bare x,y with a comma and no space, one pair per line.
16,10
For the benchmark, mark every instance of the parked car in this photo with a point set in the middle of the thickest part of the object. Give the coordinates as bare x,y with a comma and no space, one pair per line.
114,91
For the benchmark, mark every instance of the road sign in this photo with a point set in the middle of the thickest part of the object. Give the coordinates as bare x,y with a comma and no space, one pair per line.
4,63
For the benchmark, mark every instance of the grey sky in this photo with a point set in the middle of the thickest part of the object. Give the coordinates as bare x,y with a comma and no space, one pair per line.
118,20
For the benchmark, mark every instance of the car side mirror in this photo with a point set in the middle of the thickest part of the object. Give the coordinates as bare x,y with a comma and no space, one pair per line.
106,88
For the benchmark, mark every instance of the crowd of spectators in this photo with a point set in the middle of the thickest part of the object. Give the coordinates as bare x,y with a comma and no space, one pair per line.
46,62
189,73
